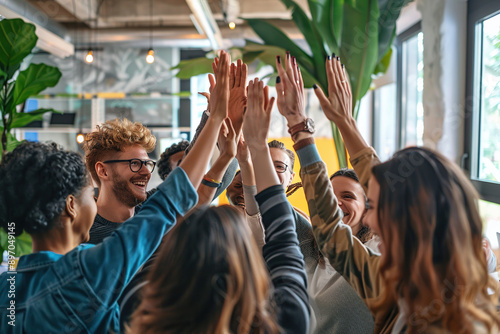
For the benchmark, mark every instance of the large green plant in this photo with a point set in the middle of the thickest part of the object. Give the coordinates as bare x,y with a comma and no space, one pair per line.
17,40
359,32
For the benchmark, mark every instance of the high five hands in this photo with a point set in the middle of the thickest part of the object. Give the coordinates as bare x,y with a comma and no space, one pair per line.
237,91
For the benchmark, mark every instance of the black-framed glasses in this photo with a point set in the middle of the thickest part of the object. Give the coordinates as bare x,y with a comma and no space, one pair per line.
280,167
136,164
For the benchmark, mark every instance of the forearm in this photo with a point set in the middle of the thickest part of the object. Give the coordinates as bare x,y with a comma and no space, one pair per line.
284,261
263,166
353,140
194,164
206,193
201,125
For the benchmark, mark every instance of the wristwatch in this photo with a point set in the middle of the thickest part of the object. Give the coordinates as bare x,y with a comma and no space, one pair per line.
306,125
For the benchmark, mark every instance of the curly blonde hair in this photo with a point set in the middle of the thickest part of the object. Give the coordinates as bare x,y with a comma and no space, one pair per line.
113,136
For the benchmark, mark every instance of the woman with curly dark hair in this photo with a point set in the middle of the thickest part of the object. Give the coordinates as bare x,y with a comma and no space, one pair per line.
65,287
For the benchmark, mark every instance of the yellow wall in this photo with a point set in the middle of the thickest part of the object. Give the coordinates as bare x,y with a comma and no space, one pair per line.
326,150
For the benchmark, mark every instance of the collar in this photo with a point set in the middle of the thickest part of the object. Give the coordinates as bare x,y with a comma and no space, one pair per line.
37,261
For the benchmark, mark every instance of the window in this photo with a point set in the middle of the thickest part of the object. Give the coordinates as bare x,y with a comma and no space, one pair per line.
412,68
482,133
398,110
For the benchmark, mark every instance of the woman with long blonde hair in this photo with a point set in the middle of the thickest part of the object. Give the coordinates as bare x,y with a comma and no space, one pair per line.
431,275
210,277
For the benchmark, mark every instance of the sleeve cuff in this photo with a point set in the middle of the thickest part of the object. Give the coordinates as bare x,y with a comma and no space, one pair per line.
185,194
307,152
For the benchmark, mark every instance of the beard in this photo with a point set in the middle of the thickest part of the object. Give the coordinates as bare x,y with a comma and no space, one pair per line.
124,193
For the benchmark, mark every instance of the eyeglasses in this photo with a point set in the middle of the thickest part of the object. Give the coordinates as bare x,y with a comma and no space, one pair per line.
280,167
136,164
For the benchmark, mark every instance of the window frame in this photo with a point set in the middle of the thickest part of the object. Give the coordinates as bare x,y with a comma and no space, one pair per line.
477,11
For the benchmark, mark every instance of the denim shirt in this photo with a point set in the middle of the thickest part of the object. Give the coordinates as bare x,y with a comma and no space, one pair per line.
78,292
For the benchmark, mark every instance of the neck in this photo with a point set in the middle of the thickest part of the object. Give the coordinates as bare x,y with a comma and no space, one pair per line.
59,240
112,209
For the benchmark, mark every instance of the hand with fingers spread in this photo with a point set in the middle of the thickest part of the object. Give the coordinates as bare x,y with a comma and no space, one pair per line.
290,90
255,128
237,91
258,114
338,105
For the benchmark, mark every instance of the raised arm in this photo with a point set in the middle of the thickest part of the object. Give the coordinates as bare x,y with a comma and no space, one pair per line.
281,252
346,254
219,111
227,151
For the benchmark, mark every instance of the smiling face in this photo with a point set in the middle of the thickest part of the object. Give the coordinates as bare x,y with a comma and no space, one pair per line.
129,187
278,156
234,192
351,198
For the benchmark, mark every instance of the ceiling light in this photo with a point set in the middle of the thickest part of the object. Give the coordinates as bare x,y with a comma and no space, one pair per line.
232,25
150,58
80,138
89,57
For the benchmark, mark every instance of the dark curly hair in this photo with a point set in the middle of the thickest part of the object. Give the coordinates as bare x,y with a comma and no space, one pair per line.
163,164
35,180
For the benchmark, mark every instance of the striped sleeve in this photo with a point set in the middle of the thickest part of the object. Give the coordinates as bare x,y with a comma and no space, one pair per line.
284,260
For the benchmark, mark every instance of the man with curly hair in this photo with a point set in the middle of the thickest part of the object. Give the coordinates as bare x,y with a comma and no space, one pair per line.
171,158
116,154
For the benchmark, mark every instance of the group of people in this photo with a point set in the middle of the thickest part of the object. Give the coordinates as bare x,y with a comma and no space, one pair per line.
393,247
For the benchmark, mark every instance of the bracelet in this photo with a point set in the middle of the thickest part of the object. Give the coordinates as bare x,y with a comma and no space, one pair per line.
209,179
210,183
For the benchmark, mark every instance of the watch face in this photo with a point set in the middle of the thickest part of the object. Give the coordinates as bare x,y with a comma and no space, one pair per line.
310,124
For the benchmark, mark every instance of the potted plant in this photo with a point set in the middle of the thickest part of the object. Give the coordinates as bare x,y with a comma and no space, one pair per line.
17,40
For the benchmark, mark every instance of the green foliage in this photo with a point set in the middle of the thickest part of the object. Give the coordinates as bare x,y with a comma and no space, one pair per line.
360,32
22,244
17,40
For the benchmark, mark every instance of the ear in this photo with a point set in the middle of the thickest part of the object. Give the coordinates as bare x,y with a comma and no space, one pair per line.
71,207
101,170
292,175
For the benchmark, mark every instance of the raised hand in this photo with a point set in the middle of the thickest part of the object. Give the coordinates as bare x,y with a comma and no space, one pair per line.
338,105
242,152
227,139
237,93
258,114
290,90
219,98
